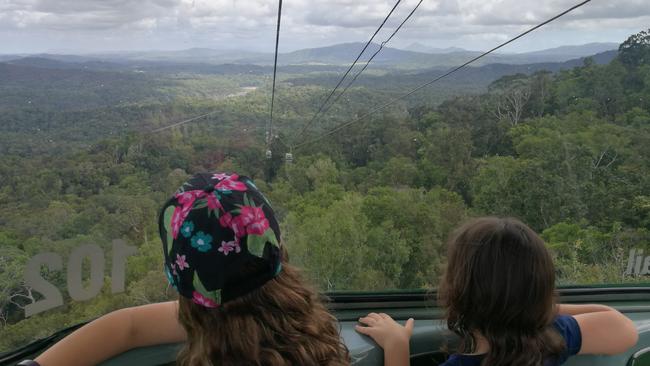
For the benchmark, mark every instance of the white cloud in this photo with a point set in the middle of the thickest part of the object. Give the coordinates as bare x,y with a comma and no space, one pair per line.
251,23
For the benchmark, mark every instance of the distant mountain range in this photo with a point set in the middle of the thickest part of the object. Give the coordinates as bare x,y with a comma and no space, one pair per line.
577,51
419,47
471,78
416,56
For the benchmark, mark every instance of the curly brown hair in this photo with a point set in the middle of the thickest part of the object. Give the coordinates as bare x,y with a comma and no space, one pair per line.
500,283
282,323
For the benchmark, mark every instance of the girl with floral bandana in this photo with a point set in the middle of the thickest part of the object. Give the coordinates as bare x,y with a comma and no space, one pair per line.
240,302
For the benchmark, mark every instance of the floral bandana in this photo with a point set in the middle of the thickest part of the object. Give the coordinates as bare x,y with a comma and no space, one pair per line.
220,238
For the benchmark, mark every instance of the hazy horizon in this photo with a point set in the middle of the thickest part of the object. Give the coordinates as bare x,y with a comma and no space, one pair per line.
404,48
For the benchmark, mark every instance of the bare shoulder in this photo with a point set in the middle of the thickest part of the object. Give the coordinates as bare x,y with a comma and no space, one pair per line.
156,323
606,332
169,307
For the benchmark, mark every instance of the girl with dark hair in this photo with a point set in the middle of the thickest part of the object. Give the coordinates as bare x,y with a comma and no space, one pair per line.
498,291
240,302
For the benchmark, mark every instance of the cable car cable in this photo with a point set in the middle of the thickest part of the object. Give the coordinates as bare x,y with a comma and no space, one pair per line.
275,65
320,109
381,46
269,129
452,71
182,122
275,68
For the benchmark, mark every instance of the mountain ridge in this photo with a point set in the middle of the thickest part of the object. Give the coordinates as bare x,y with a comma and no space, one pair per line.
341,54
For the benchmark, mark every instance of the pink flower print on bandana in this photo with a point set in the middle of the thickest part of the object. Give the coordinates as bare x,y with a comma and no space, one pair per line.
220,176
213,202
225,220
197,298
178,217
254,220
187,198
229,246
238,227
231,184
181,262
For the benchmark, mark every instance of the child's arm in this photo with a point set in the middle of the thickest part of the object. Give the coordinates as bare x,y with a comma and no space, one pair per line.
115,333
390,336
604,330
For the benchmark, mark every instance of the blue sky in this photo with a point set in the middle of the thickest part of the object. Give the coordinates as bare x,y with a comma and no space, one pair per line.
87,26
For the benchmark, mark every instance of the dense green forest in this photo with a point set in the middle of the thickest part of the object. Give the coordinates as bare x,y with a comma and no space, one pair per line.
366,209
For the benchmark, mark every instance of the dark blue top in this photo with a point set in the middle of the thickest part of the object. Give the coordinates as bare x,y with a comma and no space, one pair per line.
565,324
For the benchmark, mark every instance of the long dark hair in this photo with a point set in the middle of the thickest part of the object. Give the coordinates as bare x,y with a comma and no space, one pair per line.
500,283
282,323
